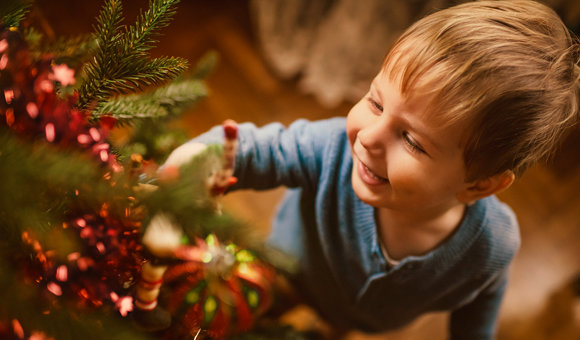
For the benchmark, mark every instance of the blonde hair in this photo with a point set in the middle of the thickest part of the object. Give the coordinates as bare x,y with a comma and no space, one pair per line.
507,69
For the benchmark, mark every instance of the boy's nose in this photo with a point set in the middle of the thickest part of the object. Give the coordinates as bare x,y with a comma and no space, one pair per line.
373,137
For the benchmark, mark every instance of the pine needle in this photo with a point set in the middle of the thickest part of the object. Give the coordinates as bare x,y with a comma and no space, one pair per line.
41,184
65,49
141,36
121,63
163,102
12,12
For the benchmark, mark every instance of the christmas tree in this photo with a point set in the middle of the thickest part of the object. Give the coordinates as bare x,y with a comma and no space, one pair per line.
98,243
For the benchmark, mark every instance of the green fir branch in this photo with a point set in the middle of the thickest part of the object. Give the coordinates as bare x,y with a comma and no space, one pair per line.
121,64
140,37
136,74
12,12
65,49
163,102
38,184
122,80
108,33
108,28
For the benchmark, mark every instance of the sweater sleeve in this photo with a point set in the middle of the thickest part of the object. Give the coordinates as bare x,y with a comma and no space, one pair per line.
273,155
478,319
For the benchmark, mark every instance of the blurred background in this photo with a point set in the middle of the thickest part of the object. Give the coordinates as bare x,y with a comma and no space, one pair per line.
283,60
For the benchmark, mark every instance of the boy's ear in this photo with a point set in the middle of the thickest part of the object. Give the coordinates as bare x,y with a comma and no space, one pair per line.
486,187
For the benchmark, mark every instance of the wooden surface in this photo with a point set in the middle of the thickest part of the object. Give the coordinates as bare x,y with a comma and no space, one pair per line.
540,303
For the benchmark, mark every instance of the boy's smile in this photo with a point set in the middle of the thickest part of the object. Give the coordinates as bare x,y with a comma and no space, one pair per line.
368,176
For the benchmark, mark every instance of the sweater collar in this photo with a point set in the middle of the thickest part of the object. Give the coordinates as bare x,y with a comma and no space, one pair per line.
455,245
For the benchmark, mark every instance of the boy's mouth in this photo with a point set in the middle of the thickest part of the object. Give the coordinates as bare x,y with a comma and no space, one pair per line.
368,176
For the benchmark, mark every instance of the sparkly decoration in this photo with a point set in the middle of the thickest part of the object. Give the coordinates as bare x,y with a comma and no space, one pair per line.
123,304
110,262
113,253
63,74
218,290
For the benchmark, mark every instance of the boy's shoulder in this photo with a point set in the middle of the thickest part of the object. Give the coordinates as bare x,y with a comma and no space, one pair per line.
498,229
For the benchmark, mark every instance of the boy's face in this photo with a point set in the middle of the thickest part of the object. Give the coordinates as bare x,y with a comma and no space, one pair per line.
402,159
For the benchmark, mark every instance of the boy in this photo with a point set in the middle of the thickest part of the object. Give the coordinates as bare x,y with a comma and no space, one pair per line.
391,211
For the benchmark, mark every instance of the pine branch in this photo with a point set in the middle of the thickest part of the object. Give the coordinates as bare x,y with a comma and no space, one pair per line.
140,37
109,25
12,12
139,73
128,76
71,49
121,65
163,102
108,33
38,185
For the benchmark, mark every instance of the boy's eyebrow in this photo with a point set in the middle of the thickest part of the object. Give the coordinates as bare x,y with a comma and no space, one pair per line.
426,136
423,132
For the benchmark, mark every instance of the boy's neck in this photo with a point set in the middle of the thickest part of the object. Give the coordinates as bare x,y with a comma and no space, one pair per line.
404,234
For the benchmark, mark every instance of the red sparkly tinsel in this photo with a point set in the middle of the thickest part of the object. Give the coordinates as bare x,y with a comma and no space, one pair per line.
34,107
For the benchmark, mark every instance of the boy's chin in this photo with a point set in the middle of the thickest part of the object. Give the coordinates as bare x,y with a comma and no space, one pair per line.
367,196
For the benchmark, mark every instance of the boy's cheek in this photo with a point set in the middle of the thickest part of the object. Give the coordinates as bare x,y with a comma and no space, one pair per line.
407,174
355,121
351,132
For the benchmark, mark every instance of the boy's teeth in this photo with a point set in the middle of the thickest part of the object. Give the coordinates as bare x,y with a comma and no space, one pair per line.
372,174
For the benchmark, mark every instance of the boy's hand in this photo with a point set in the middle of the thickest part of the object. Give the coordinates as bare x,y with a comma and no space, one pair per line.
221,180
180,156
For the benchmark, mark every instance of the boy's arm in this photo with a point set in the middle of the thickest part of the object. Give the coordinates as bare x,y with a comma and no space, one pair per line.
273,155
478,319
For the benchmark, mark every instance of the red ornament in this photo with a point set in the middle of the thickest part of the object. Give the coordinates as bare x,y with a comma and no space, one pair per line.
220,290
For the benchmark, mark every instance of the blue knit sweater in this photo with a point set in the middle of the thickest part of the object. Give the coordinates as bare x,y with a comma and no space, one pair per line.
343,272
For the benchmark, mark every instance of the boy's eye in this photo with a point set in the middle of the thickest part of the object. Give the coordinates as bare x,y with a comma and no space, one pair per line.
375,104
412,144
